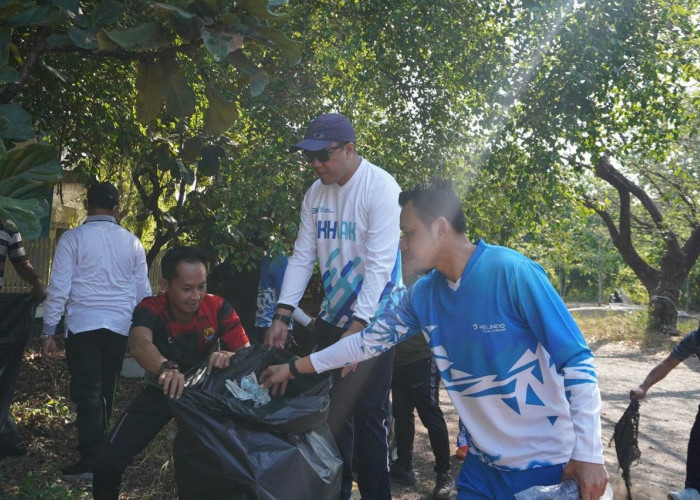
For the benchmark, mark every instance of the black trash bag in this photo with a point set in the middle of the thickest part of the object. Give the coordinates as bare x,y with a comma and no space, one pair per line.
227,449
626,442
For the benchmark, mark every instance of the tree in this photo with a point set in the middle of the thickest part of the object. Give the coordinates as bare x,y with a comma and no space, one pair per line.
184,63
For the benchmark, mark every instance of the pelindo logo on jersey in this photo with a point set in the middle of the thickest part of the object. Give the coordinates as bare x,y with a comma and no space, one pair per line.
490,328
336,230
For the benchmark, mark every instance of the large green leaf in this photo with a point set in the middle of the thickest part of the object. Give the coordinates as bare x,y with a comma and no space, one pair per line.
18,125
179,97
220,114
37,16
72,7
209,164
260,9
24,215
8,74
172,10
106,14
258,78
149,90
83,38
220,44
25,171
145,36
5,40
290,49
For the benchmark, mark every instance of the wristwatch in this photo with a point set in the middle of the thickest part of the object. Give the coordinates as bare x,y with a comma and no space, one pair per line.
293,367
45,336
282,317
168,365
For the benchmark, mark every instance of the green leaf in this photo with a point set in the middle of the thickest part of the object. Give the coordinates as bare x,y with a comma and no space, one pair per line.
26,171
191,149
5,40
8,74
149,91
210,162
258,78
24,215
179,97
145,36
19,126
220,44
70,6
104,42
172,10
37,16
260,9
290,49
85,39
106,14
220,114
187,173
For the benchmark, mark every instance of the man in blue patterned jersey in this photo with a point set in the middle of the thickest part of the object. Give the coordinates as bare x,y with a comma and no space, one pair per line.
513,361
350,227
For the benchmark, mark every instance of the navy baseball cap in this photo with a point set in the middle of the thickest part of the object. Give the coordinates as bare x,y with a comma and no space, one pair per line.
325,130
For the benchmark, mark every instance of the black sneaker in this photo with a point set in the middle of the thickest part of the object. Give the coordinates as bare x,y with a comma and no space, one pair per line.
402,475
79,470
443,486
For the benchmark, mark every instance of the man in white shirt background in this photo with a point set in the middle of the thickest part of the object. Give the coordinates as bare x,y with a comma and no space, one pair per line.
350,226
98,275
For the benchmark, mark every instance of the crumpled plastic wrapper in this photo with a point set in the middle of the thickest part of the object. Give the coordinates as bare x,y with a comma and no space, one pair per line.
249,389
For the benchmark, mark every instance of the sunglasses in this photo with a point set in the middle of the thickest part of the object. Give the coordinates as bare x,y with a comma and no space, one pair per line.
322,155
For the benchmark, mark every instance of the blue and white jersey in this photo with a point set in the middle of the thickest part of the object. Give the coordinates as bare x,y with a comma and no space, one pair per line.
352,232
513,361
271,276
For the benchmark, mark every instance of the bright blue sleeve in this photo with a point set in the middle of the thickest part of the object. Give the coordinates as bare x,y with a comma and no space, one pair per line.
396,321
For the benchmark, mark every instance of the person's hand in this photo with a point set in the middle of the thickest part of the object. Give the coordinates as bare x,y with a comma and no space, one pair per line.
38,292
173,382
219,359
638,393
591,478
49,351
276,335
276,377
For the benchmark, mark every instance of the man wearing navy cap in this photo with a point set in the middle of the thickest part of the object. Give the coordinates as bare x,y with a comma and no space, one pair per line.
350,226
98,275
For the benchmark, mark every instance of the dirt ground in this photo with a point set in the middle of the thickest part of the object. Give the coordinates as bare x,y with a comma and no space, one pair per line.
666,416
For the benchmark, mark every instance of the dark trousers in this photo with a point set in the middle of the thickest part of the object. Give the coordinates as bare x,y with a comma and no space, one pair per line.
11,441
417,386
359,416
94,361
145,416
16,315
692,465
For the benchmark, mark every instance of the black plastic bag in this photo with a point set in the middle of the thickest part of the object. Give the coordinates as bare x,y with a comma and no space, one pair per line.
227,449
626,442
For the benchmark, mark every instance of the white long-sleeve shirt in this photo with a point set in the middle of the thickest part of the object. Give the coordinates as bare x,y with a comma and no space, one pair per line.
353,232
98,275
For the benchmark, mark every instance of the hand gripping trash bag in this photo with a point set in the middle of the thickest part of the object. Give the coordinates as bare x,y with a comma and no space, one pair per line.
226,448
